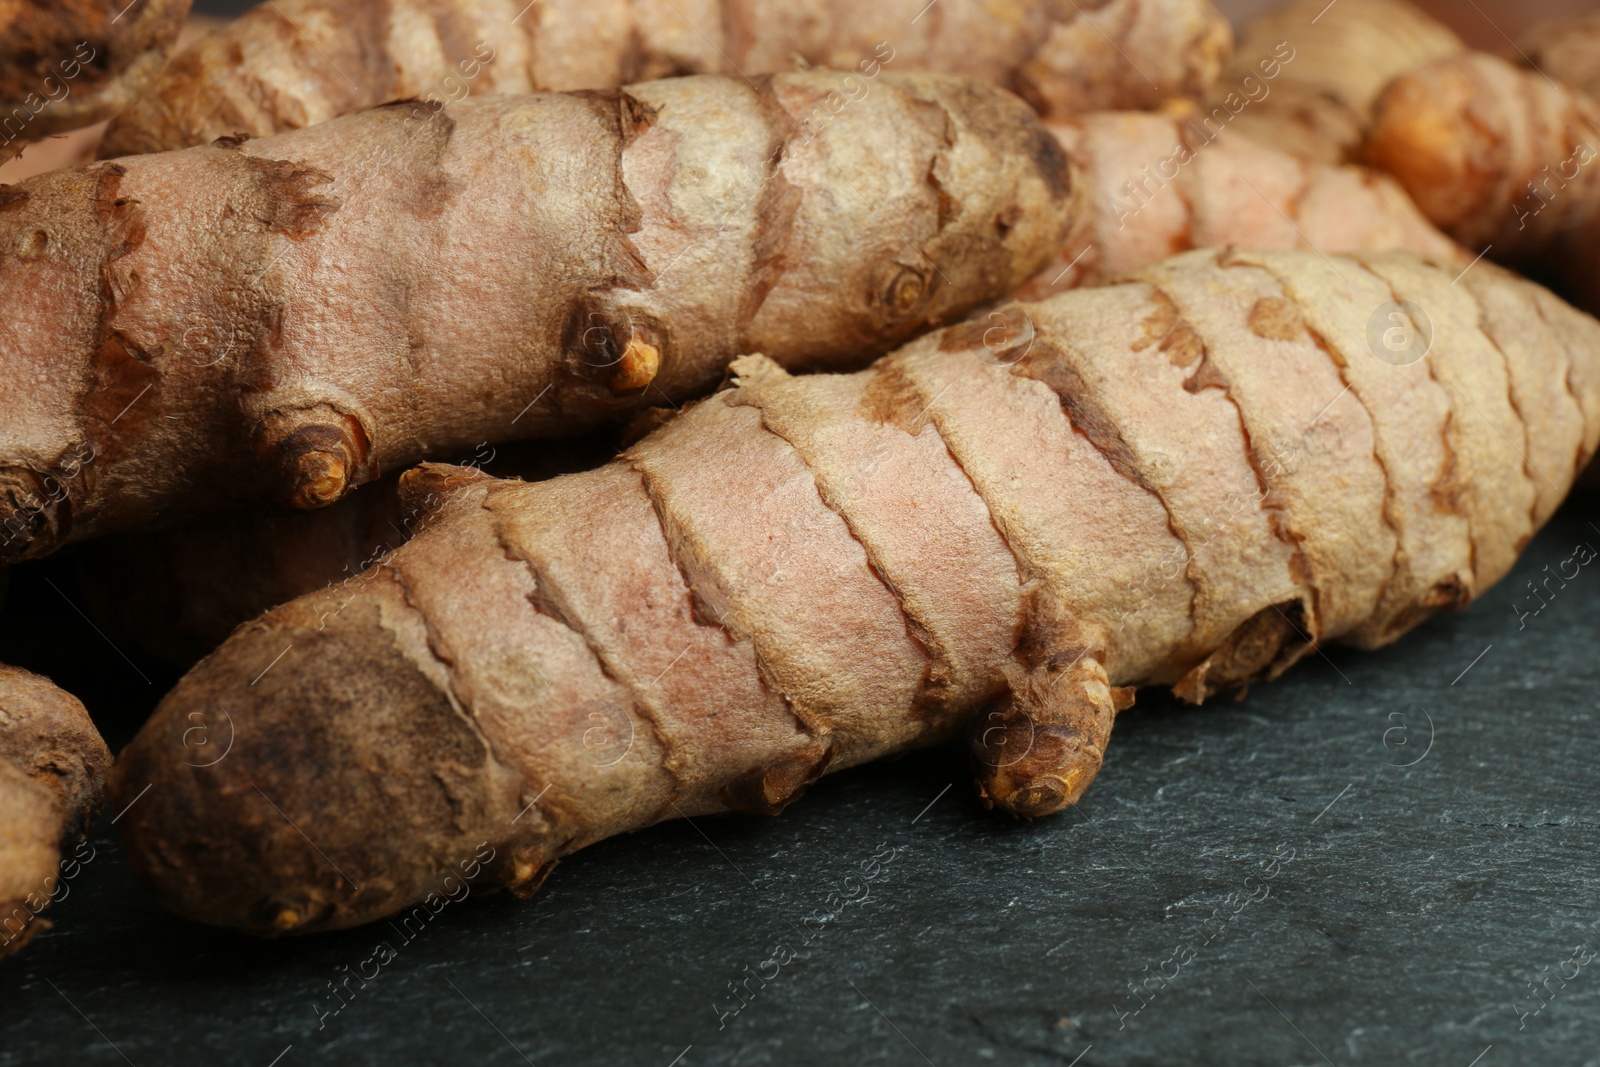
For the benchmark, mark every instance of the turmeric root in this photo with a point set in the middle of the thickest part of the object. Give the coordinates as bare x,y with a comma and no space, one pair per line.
177,593
71,63
291,317
1156,185
1566,49
1190,479
52,771
1304,76
1502,159
295,63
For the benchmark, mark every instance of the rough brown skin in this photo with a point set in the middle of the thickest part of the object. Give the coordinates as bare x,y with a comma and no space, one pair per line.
1318,106
1501,158
52,770
289,318
295,63
71,63
1188,480
1154,185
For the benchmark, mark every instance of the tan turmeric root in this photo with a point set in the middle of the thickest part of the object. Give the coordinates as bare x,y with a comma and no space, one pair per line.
291,317
1155,185
52,771
1189,479
295,63
1501,158
177,593
1304,76
71,63
1566,49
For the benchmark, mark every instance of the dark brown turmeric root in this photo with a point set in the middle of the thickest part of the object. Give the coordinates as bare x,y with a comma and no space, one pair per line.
1189,479
52,768
289,318
71,63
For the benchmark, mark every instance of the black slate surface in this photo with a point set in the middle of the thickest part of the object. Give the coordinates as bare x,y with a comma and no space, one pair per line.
1431,808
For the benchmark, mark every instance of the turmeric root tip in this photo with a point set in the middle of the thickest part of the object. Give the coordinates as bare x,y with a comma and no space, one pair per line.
1039,748
416,795
637,367
316,456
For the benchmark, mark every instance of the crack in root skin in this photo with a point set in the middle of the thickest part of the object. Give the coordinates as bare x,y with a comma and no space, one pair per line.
1450,490
1285,320
1262,648
1580,458
1528,470
547,601
526,866
761,790
1184,343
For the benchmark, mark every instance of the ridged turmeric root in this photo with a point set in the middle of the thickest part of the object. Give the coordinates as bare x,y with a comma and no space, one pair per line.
1190,479
1154,185
295,63
52,770
1318,103
1148,185
1501,158
290,317
71,63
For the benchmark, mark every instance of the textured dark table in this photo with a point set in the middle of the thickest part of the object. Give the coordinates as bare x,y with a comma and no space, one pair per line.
1431,809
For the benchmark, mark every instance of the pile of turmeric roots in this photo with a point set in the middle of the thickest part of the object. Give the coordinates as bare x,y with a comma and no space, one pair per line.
863,377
